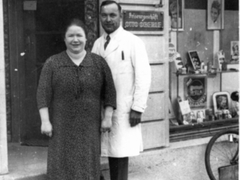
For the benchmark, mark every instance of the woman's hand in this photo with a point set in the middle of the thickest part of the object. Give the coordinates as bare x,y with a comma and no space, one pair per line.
46,128
106,124
107,120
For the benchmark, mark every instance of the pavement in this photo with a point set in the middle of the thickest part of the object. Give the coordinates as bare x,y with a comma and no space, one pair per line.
180,161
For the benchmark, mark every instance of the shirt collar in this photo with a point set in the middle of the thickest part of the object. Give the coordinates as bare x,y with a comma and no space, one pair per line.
113,34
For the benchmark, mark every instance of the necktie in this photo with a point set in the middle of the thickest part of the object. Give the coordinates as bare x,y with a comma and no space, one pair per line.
107,41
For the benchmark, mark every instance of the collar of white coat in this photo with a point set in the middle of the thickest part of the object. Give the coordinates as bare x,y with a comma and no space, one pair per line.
114,34
114,41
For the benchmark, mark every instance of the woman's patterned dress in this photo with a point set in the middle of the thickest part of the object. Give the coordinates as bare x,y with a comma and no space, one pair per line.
75,96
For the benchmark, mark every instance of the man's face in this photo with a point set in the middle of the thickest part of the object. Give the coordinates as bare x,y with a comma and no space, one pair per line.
110,18
214,14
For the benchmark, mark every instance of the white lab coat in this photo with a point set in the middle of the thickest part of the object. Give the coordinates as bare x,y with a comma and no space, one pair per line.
127,58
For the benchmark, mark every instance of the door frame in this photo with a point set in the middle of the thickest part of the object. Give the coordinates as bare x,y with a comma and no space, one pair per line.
15,33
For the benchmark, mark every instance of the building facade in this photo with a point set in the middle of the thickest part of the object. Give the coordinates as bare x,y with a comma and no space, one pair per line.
32,34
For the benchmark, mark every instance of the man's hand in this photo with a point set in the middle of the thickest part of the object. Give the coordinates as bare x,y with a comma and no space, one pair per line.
135,118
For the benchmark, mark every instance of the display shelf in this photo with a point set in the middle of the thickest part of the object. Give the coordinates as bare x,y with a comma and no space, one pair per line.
200,130
205,73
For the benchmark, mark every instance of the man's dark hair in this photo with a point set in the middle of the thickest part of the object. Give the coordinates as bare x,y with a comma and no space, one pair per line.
235,96
105,3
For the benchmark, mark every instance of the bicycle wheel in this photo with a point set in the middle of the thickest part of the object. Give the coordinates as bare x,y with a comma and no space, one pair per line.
221,151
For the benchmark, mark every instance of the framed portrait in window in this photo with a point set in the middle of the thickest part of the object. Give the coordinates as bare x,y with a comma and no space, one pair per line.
195,91
195,60
221,101
176,9
234,52
215,14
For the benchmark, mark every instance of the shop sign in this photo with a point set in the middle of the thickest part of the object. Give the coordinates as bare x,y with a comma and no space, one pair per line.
143,20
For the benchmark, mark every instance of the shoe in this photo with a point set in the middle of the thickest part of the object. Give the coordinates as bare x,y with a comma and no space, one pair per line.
102,177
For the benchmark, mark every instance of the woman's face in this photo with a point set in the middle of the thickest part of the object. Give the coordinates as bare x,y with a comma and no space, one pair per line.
222,101
75,39
214,14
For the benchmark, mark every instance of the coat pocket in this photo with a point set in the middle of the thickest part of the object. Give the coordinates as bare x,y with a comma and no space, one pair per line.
125,64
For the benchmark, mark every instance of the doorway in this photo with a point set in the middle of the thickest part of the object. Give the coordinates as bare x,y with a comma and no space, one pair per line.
42,22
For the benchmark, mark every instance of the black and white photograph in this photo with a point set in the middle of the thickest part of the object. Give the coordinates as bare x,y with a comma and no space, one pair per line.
221,101
215,14
234,52
176,13
194,59
119,89
195,90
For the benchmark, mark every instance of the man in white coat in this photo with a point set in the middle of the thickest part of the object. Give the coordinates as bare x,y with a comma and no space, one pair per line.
127,58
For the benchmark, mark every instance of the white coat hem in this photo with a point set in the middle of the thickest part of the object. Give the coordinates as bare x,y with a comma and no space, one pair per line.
120,156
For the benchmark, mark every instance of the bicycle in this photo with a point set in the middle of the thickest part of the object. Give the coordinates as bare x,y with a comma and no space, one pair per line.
222,153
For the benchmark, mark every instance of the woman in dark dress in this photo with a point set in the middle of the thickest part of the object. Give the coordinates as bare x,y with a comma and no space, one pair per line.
74,86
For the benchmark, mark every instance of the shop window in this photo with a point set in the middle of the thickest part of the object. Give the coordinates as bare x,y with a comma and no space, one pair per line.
203,66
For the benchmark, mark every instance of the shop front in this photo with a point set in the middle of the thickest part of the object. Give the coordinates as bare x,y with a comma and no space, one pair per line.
171,37
33,34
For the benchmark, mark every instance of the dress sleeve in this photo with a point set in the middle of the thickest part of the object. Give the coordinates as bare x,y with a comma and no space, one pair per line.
44,90
109,91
